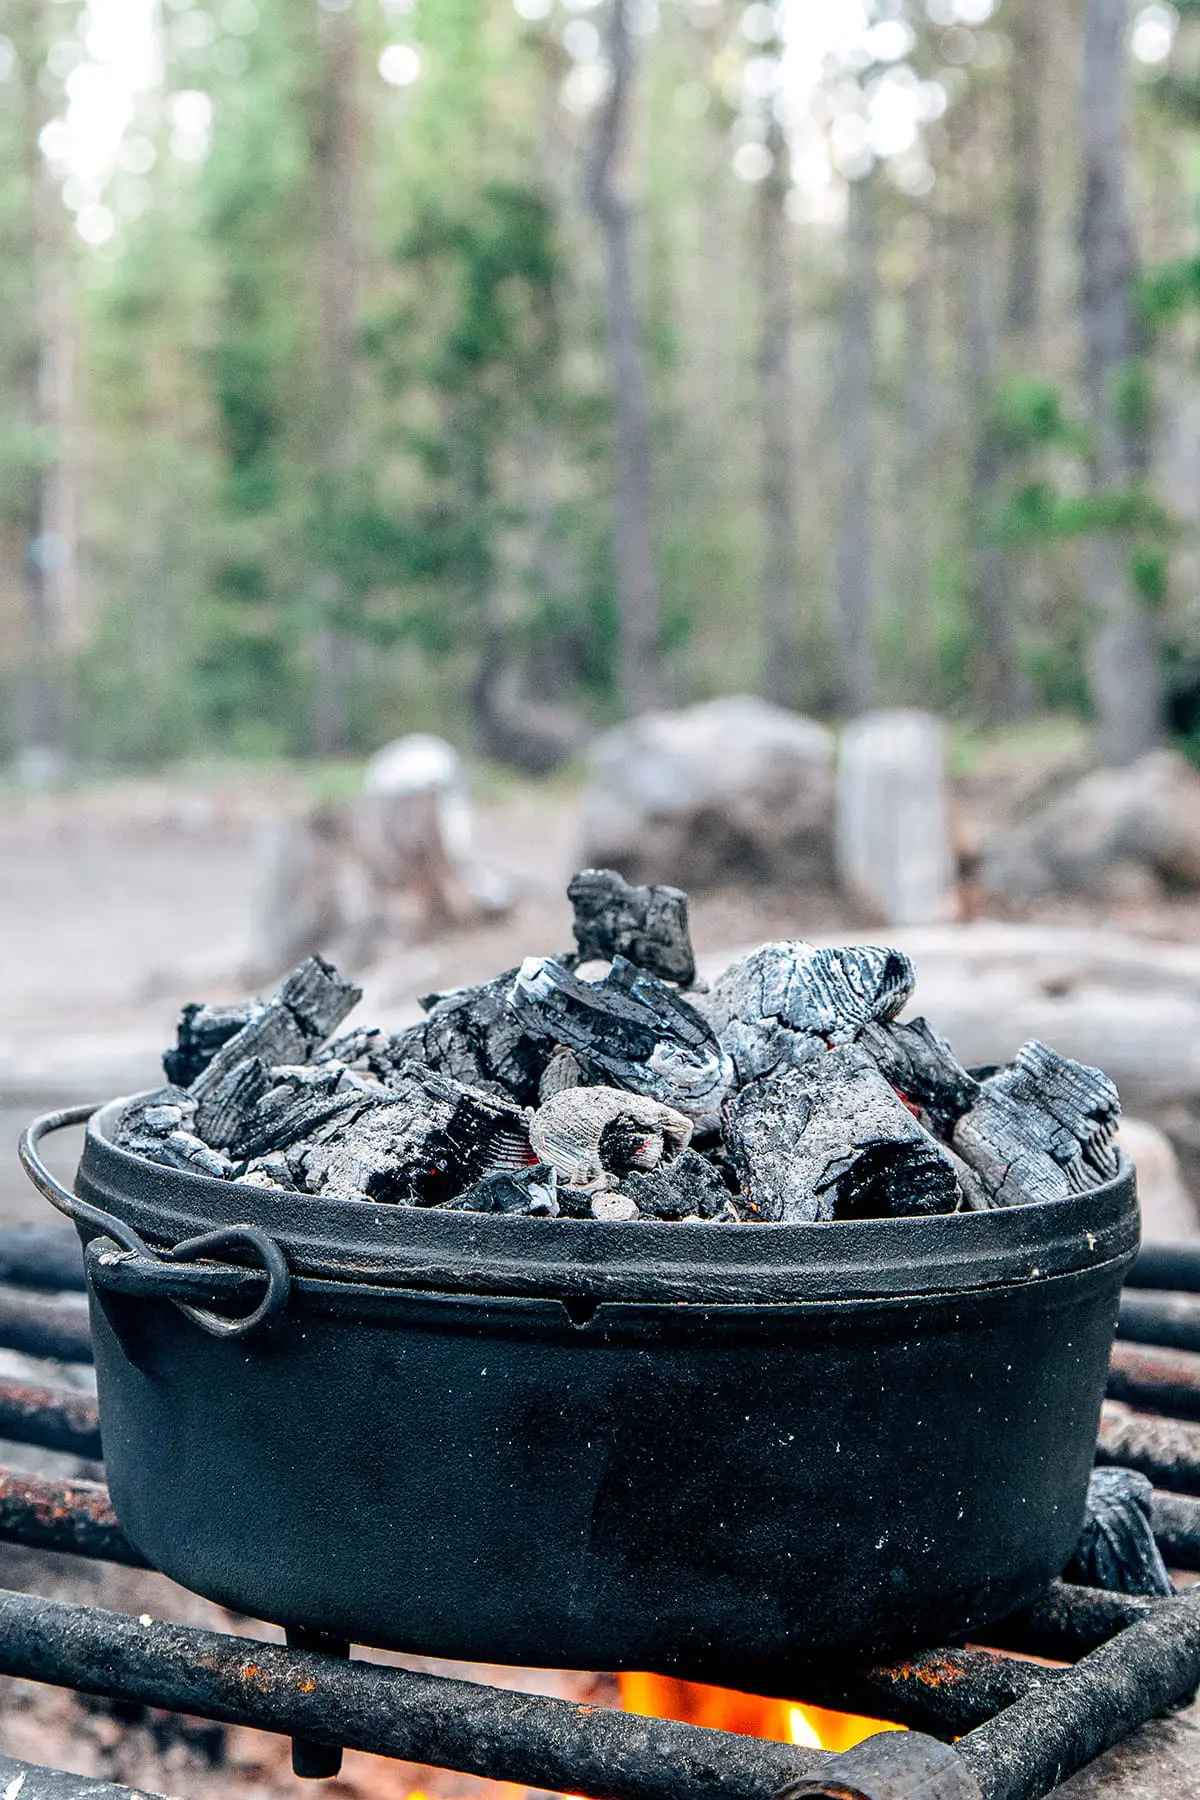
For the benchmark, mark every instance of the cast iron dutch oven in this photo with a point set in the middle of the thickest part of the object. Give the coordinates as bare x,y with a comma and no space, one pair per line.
707,1450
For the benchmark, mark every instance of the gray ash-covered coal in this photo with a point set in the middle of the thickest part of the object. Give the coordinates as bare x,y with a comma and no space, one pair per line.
605,1083
1117,1548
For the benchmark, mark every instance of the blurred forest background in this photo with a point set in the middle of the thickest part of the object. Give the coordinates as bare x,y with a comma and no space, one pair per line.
507,366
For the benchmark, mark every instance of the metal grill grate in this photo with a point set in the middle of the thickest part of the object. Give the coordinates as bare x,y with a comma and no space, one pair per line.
1019,1727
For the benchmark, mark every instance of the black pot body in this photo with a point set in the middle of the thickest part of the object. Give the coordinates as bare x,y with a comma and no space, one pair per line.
711,1488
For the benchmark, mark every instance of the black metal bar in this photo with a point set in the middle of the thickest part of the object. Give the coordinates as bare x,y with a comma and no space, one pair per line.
1176,1519
33,1782
943,1692
38,1326
1174,1266
1149,1316
1155,1379
1025,1752
537,1742
1068,1622
75,1517
1167,1450
42,1256
51,1418
317,1762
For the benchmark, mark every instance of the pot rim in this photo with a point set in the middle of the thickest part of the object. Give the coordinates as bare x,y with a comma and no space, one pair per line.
638,1260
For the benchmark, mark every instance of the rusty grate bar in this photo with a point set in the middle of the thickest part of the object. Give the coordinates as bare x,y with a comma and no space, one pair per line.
50,1417
1166,1450
528,1739
1155,1379
75,1517
38,1326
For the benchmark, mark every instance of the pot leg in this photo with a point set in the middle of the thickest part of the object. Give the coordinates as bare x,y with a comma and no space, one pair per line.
316,1762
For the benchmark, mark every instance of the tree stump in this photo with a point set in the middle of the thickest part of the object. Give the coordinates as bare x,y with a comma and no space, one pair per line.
892,834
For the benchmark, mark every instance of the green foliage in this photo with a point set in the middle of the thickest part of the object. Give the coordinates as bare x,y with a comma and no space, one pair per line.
1026,413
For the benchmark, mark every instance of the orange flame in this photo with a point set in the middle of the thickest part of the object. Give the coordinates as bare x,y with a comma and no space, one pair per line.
665,1697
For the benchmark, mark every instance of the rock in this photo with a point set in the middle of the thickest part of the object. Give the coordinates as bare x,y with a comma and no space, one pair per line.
893,834
731,790
1169,1214
1116,834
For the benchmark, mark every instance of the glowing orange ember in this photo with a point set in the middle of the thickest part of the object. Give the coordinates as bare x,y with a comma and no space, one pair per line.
664,1697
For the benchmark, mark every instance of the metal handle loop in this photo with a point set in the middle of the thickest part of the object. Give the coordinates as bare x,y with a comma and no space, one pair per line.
145,1270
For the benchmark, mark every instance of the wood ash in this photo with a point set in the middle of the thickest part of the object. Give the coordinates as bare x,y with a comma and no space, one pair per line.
606,1083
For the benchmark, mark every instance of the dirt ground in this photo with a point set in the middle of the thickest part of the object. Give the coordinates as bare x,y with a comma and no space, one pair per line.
116,906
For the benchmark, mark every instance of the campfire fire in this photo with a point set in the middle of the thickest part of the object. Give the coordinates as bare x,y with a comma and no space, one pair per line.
664,1697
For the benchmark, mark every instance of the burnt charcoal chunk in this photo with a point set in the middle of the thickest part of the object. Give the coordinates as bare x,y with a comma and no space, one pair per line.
590,1134
689,1186
305,1101
225,1110
830,993
636,1030
761,1047
420,1145
531,1192
474,1035
288,1029
1082,1100
920,1064
833,1140
368,1051
1116,1548
1041,1129
648,925
159,1126
199,1035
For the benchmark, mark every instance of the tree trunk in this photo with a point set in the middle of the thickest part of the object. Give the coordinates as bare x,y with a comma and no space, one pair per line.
1029,50
640,673
337,155
1123,663
1004,693
777,398
853,567
44,381
914,464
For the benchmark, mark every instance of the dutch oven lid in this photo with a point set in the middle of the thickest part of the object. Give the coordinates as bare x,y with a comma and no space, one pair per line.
755,1264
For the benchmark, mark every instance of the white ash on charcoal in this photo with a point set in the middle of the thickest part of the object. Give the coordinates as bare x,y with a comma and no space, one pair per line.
1116,1548
159,1126
649,925
833,1140
787,1002
420,1144
595,1135
632,1029
1041,1129
830,994
475,1035
597,1085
